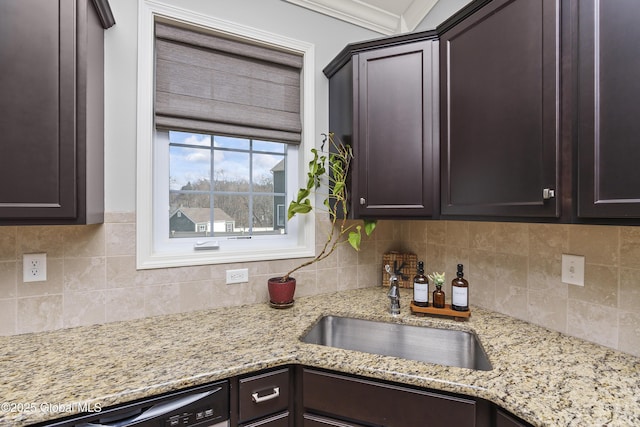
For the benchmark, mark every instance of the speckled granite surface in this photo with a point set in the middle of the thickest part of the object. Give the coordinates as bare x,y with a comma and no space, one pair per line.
542,376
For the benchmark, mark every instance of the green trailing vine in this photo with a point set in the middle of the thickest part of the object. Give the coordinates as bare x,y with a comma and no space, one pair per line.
330,168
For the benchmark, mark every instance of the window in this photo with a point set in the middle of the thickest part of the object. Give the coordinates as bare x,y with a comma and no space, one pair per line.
224,114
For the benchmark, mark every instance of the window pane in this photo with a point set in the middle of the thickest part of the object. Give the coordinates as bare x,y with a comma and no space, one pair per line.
268,214
189,168
189,215
188,138
268,173
231,171
230,142
272,147
231,214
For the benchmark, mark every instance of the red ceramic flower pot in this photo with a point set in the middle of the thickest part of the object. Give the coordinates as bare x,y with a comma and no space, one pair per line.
281,292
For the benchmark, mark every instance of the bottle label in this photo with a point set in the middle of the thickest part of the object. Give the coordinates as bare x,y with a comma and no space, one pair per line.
420,292
459,296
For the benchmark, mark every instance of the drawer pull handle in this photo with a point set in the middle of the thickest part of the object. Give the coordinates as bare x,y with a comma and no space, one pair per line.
257,399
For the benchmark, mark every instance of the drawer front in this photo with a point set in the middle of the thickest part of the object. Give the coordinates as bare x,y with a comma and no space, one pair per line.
263,395
317,421
383,404
280,420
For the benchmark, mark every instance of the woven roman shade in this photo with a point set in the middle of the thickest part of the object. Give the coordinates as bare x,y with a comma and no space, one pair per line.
207,83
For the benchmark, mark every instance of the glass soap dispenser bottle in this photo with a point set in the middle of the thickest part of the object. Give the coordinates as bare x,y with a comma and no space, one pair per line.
460,292
421,287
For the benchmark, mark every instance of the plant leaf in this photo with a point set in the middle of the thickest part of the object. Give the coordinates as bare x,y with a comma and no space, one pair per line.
369,226
355,238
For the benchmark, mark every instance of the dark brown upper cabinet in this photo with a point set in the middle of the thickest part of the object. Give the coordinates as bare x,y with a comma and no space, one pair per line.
383,100
51,120
499,116
608,118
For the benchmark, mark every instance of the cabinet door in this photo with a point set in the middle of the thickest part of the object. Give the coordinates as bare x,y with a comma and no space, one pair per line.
373,403
608,109
499,115
37,124
395,130
318,421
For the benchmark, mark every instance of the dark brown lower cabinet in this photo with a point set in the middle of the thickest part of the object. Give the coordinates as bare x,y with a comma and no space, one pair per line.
311,420
506,420
265,399
334,399
279,420
300,396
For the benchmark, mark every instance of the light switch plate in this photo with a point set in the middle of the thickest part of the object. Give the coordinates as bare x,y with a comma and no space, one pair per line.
573,269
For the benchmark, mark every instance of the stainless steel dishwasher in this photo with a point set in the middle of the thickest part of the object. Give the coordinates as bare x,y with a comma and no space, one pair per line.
202,406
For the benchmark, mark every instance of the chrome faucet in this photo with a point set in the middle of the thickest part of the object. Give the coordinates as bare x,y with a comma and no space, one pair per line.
394,292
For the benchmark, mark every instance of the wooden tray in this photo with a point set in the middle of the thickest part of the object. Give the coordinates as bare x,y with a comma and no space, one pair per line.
446,311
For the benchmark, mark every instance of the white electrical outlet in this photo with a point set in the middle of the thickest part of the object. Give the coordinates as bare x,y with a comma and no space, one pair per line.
34,267
240,275
573,269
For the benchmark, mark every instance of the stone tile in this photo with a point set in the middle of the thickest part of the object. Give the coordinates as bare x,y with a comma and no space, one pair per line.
482,235
457,234
598,243
436,232
124,304
436,258
327,280
592,322
629,289
8,238
38,239
119,217
548,240
481,275
629,333
161,299
84,241
120,272
347,278
512,238
600,286
547,310
196,295
545,274
9,279
8,308
83,308
630,247
38,314
83,274
120,239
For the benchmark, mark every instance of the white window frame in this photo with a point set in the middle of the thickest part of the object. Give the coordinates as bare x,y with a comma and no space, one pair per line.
156,251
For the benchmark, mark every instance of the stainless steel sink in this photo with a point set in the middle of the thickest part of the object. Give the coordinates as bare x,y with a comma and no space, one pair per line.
441,346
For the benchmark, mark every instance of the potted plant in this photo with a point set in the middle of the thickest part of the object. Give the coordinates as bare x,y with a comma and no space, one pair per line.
328,170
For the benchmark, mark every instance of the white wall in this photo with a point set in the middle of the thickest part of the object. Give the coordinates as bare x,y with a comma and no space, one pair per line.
328,34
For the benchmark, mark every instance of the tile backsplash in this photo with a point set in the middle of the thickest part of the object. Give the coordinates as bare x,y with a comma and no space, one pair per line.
512,268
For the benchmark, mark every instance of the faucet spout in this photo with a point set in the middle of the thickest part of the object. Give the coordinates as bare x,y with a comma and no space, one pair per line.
394,293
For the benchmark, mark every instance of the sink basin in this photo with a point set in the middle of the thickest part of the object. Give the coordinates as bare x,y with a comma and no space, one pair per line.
441,346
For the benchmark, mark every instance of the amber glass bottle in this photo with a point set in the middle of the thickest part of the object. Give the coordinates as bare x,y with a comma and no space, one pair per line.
421,287
460,292
438,297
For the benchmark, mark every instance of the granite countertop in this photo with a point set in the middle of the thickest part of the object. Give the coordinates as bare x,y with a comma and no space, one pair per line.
544,377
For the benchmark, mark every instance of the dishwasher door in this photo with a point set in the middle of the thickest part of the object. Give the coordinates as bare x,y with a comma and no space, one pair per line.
203,406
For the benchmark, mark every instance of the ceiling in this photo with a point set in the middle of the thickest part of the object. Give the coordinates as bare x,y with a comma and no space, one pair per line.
383,16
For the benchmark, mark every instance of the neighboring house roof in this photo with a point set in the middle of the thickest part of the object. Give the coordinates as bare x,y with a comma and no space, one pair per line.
201,215
278,167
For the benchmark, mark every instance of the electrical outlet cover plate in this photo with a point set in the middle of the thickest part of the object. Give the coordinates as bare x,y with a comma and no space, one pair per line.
240,275
573,269
34,267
